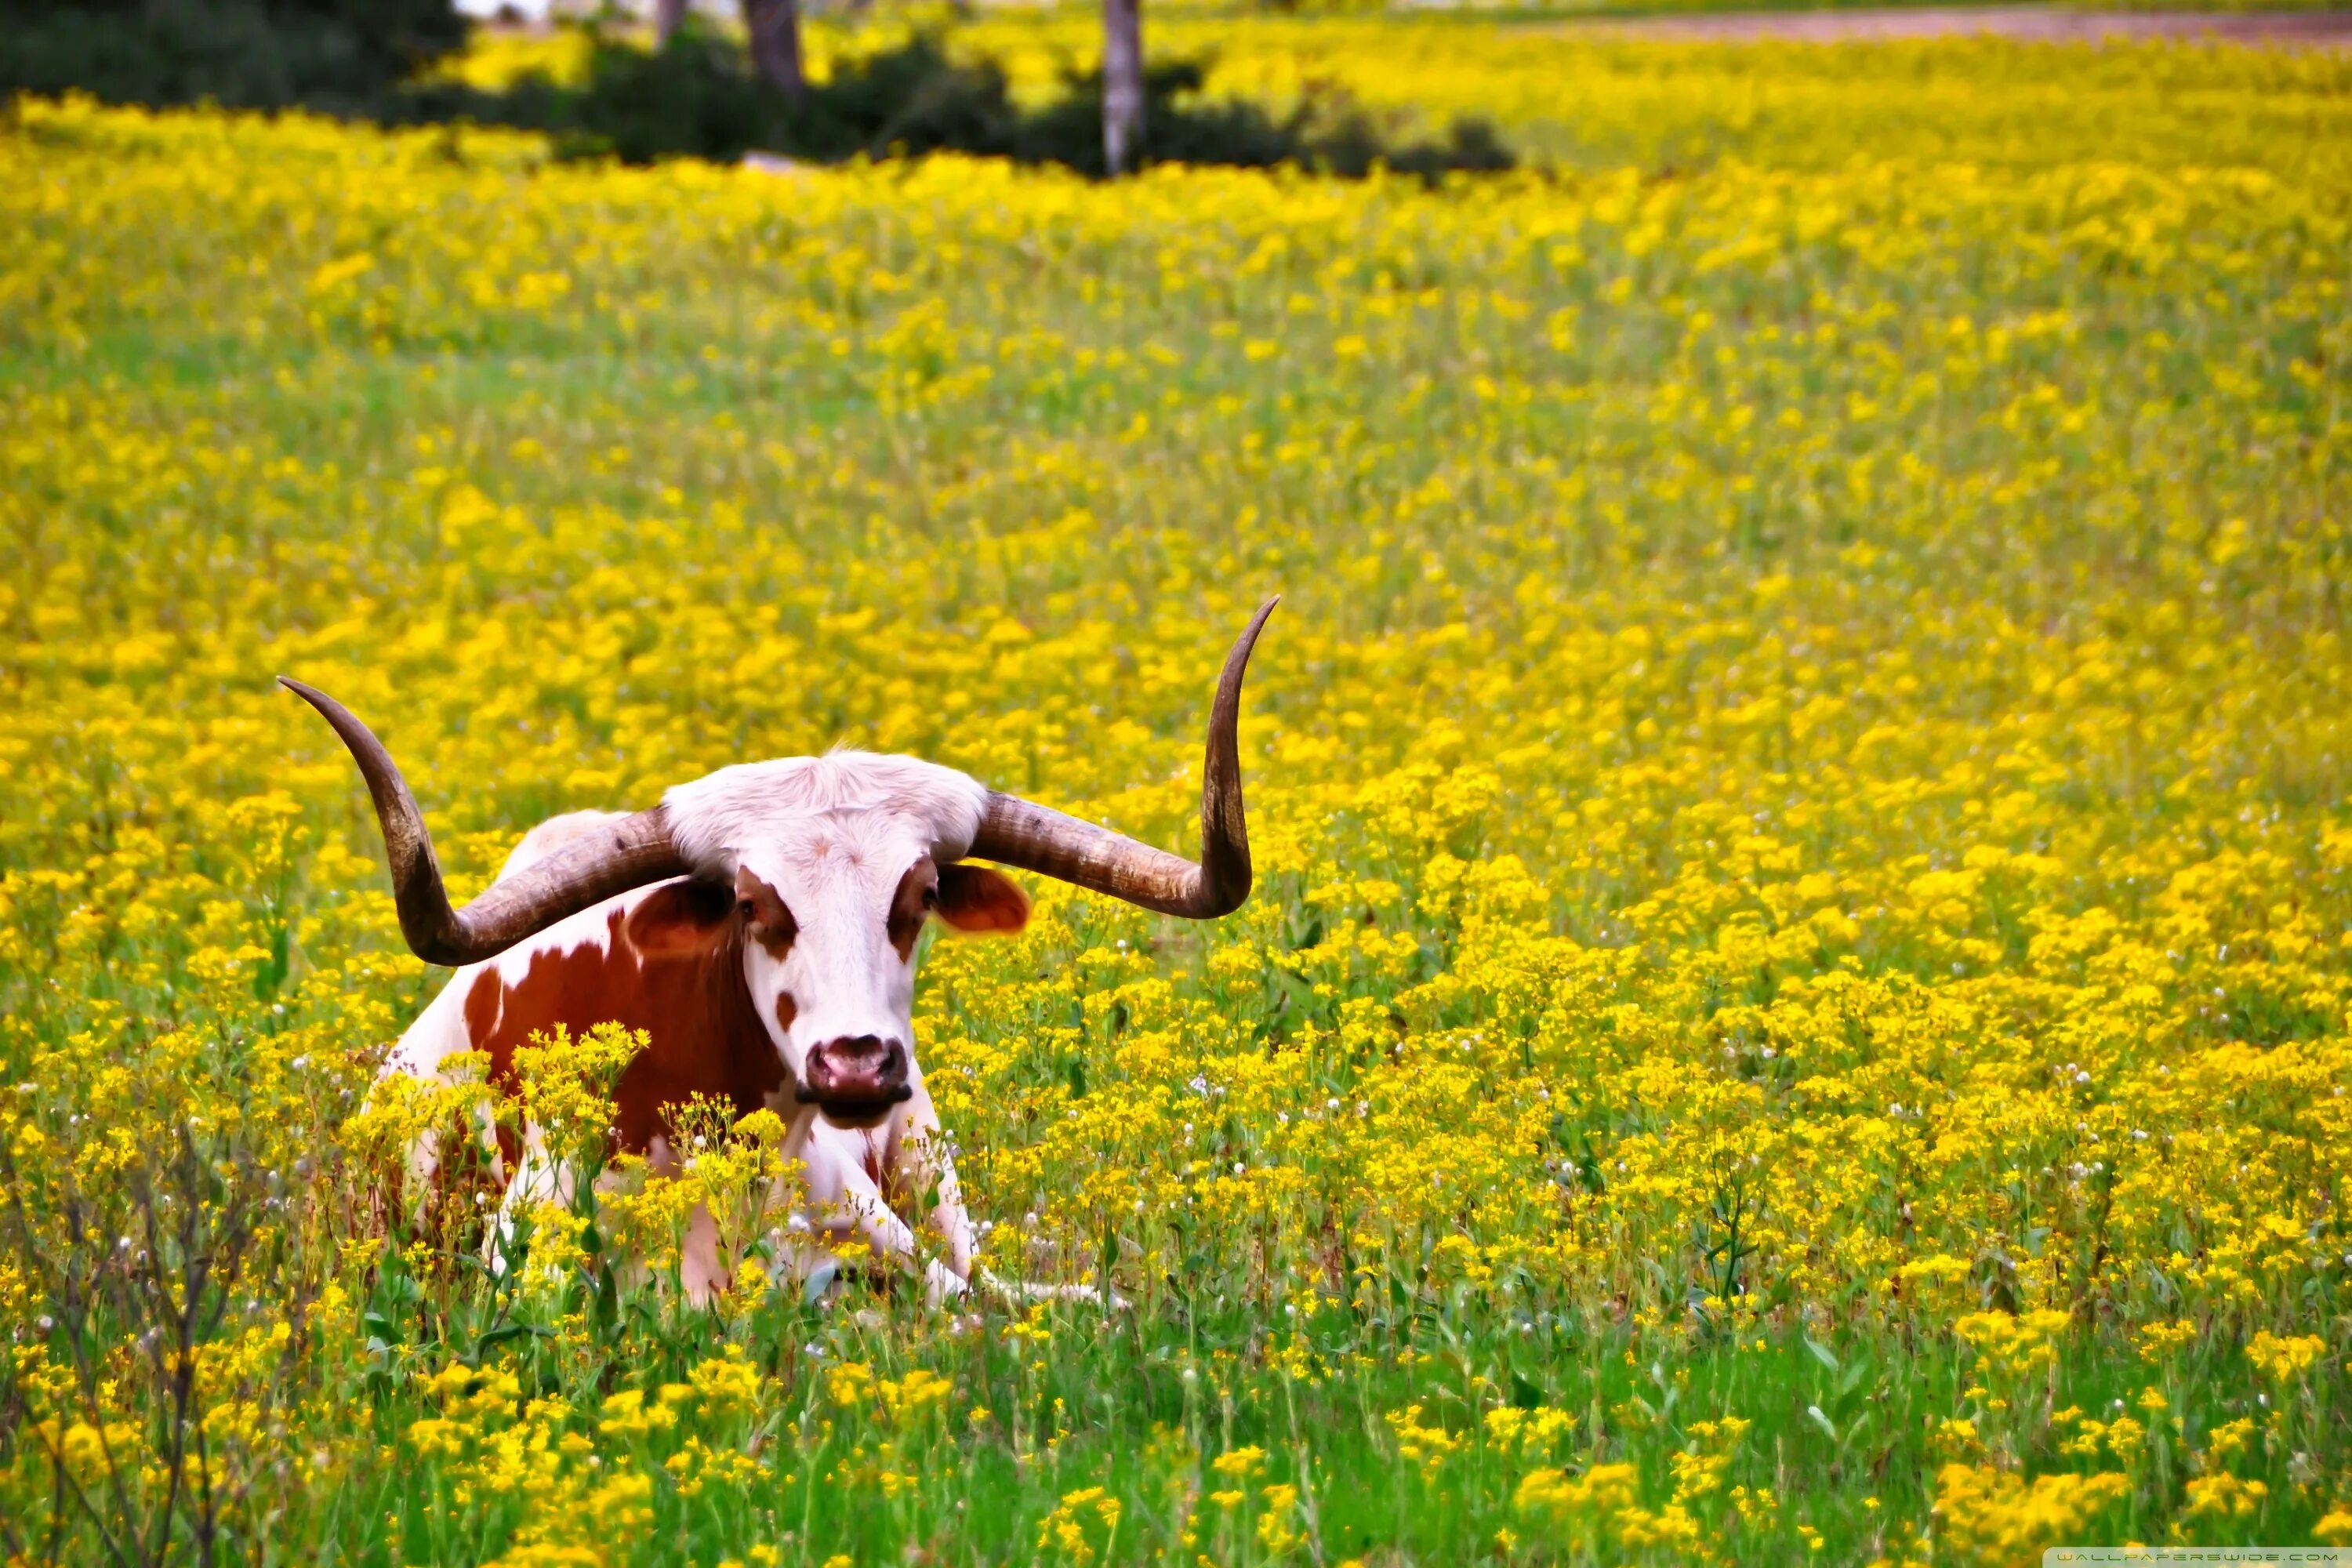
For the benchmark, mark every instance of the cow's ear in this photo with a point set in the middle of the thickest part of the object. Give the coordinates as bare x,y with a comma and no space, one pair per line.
679,918
977,898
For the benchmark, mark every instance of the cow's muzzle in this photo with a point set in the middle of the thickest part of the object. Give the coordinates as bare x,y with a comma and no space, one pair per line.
857,1076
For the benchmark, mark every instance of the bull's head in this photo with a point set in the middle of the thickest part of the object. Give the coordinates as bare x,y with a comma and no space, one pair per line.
822,871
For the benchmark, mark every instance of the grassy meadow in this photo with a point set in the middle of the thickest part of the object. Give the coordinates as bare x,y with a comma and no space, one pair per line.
1796,1005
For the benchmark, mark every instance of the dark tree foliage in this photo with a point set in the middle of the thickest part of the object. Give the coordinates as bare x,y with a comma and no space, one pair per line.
1326,130
343,56
698,98
695,97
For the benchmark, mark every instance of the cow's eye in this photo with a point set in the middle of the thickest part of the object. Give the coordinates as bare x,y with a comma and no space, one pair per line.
744,907
931,897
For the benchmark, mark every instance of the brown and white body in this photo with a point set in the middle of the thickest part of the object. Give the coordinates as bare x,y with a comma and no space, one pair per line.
759,925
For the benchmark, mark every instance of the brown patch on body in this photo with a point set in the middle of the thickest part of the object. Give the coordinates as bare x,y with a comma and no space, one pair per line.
672,966
484,1002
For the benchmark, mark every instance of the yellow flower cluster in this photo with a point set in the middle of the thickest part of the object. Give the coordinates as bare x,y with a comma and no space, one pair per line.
1995,1519
1798,794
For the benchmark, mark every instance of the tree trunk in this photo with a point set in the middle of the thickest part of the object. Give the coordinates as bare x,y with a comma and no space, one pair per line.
776,29
1122,84
667,14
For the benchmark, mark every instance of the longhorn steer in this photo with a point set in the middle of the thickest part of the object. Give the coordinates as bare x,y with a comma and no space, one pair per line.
760,926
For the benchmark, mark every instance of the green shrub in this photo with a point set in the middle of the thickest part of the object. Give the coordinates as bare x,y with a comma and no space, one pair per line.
698,98
344,57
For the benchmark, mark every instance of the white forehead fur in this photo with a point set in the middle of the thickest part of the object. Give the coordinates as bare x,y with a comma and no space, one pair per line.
718,817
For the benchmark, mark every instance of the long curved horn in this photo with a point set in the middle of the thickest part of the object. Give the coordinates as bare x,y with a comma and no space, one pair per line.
588,870
1013,832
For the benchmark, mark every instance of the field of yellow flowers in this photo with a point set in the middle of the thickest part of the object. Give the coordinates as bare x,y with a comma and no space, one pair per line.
1797,1001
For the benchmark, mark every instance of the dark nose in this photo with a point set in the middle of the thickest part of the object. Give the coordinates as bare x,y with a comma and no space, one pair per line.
858,1073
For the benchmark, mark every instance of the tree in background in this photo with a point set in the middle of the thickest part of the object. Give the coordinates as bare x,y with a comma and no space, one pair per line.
344,57
776,29
1122,84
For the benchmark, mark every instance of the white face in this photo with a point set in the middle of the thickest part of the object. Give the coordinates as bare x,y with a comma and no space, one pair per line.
832,906
834,877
